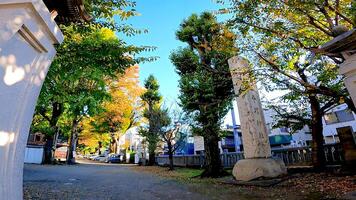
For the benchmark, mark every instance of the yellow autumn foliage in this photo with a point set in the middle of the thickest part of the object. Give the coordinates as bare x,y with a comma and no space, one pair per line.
122,111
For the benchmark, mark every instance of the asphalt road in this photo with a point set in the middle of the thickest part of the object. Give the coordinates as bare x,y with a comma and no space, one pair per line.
96,181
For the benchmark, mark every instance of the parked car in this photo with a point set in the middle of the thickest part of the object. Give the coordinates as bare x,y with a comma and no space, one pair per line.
93,157
100,158
114,158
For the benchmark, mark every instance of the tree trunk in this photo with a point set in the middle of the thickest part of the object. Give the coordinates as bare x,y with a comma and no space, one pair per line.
72,142
99,148
115,145
54,144
48,150
152,145
57,110
151,159
212,165
318,156
170,156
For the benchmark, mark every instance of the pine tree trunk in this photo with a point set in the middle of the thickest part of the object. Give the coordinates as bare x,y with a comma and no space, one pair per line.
318,156
72,142
152,145
212,165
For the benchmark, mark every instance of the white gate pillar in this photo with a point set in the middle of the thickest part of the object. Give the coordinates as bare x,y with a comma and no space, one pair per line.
348,69
27,36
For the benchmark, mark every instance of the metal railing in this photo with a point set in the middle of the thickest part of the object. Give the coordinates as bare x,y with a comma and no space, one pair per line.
290,156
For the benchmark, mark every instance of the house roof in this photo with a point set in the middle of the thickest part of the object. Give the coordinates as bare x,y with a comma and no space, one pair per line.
345,42
68,10
279,139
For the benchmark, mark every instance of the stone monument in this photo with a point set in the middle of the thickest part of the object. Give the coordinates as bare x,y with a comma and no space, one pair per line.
27,37
257,151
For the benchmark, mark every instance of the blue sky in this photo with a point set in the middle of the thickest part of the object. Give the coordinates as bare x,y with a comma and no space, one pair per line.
162,19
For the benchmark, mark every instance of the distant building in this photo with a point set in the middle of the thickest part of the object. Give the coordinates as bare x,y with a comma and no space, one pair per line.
37,138
337,117
131,140
232,142
34,152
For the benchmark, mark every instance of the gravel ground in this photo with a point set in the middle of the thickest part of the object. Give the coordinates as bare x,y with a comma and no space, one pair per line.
99,181
111,181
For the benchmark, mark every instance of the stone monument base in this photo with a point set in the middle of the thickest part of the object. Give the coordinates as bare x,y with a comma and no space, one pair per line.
253,168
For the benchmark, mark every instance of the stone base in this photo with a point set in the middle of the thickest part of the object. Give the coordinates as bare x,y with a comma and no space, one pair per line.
253,168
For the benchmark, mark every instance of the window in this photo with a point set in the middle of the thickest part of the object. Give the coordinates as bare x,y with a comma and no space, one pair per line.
284,129
345,115
339,116
31,137
38,138
330,118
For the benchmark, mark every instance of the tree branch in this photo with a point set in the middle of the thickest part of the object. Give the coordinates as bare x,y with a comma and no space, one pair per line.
277,69
336,11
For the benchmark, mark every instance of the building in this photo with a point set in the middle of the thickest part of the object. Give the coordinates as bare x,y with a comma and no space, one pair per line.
232,141
34,152
338,117
132,141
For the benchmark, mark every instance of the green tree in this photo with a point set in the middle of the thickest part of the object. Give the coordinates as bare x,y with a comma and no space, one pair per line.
174,134
89,54
78,73
156,117
205,80
284,37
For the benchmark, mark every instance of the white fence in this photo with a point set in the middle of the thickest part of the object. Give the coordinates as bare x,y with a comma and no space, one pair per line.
227,159
290,156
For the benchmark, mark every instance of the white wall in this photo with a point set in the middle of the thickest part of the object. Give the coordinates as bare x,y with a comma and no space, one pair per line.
34,155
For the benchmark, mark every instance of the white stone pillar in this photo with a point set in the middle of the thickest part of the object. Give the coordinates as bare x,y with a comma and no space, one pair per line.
348,69
27,36
257,150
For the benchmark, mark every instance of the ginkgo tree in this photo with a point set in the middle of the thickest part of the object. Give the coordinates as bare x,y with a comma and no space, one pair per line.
90,54
123,110
89,139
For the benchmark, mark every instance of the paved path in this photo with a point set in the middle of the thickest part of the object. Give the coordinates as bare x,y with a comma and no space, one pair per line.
100,181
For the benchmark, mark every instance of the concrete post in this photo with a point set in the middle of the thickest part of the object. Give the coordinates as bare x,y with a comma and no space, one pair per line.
257,150
27,36
348,69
